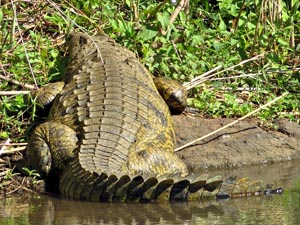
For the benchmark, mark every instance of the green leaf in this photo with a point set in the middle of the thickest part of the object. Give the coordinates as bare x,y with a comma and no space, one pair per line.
4,134
251,25
147,34
222,25
114,24
234,42
282,42
197,39
1,14
163,20
218,46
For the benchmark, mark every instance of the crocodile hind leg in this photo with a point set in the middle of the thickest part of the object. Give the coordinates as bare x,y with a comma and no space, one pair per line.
51,146
153,162
173,92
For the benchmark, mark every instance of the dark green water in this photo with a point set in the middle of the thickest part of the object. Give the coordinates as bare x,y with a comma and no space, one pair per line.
279,209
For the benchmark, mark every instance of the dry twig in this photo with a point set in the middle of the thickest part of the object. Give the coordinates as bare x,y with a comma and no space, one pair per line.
22,41
182,5
13,150
6,150
199,79
28,86
7,93
204,77
230,124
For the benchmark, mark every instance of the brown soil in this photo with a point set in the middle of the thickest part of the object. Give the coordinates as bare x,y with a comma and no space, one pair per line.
245,143
13,179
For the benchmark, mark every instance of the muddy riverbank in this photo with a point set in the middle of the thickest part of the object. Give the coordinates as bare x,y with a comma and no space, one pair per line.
244,144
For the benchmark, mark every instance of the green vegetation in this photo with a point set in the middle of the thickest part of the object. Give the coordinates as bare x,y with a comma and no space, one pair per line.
204,35
12,182
33,174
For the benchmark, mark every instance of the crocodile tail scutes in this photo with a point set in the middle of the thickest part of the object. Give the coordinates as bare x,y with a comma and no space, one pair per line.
77,183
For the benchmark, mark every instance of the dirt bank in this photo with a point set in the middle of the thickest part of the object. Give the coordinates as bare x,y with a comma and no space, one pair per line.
242,144
245,143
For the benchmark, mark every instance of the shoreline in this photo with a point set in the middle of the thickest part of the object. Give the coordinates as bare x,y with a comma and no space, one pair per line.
241,146
245,143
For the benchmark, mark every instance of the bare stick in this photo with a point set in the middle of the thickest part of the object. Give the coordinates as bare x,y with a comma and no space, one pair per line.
174,46
241,74
6,144
194,82
13,150
66,18
7,93
201,77
28,86
180,6
232,123
3,148
23,44
205,74
242,63
238,89
14,144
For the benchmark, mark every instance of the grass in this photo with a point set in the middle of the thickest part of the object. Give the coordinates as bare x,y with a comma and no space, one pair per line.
180,43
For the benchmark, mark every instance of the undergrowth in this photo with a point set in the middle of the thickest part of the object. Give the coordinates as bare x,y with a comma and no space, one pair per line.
204,35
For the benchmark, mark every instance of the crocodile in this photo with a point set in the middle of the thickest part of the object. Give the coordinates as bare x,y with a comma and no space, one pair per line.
109,134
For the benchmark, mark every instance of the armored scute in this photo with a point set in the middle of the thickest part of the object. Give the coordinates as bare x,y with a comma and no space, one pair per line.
109,135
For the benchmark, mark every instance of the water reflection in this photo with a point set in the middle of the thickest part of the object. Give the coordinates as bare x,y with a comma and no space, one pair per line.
254,210
284,209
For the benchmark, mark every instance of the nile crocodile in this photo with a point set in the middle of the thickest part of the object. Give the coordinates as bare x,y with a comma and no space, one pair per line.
109,134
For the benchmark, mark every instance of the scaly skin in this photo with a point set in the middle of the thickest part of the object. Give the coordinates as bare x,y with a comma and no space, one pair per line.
109,134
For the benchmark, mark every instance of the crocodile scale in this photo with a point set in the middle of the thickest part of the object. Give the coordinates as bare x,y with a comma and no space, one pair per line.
109,135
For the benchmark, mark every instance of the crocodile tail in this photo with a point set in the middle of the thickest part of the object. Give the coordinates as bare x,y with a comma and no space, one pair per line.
80,184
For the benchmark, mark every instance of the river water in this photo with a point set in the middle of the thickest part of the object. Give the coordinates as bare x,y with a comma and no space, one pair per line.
276,209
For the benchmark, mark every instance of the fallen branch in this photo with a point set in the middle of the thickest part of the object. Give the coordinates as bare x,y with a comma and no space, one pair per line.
232,123
5,150
197,80
204,77
28,86
22,42
13,150
182,4
7,93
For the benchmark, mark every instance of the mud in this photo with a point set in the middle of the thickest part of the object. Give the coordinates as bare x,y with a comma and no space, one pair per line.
245,143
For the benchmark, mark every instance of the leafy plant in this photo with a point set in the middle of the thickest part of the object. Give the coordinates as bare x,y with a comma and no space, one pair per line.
10,174
32,173
202,36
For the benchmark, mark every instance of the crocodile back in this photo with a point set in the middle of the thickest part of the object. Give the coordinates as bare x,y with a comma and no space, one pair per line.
112,103
109,136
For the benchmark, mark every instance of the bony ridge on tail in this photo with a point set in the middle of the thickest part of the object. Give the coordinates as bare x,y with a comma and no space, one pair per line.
109,135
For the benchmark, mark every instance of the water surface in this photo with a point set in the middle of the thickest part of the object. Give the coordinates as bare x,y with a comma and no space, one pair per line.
279,209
